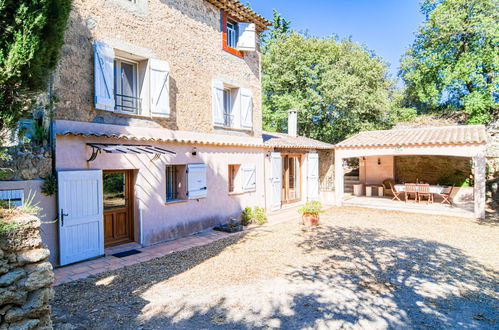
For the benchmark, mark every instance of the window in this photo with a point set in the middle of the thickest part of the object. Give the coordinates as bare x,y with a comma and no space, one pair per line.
228,117
232,106
125,86
14,197
232,33
233,178
130,84
175,189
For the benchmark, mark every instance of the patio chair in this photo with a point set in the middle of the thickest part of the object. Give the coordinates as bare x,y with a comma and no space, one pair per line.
396,194
445,194
387,188
424,191
411,189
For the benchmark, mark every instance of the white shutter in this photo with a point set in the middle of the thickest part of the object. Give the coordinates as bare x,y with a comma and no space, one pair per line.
246,99
160,91
247,37
249,177
313,177
276,180
103,76
14,197
218,103
196,181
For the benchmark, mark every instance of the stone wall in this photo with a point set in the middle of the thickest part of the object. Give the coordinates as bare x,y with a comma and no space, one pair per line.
26,278
432,169
26,163
186,34
326,169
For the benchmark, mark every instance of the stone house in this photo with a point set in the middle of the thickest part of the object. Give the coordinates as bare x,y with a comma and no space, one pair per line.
158,127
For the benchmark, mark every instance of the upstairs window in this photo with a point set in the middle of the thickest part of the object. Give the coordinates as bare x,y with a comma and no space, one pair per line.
232,106
125,86
238,36
130,84
228,117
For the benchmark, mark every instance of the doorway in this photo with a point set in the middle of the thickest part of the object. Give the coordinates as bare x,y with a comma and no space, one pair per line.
291,178
118,207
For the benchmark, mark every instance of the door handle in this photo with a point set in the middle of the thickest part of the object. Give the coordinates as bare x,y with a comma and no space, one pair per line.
62,217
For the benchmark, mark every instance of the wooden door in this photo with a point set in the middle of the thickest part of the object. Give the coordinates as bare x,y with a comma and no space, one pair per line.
80,215
118,214
291,178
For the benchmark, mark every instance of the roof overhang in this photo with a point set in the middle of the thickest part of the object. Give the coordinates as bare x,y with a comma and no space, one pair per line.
241,12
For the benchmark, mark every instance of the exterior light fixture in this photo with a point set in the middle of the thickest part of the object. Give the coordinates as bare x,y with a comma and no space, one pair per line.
379,161
194,151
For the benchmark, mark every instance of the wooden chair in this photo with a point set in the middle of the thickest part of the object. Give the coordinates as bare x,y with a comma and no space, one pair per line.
387,188
424,191
411,189
445,194
396,194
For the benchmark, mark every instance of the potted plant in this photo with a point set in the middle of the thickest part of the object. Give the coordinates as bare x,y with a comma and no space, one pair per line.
310,213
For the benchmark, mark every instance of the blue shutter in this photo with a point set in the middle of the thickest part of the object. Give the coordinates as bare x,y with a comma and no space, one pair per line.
246,100
160,92
249,177
103,76
196,181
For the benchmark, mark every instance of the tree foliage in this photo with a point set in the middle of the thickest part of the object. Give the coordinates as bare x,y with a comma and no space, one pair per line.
453,62
32,35
339,87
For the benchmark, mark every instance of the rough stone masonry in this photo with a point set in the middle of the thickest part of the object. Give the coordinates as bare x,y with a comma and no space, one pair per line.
26,277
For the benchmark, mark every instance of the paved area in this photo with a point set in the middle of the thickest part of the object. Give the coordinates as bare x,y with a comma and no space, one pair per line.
361,268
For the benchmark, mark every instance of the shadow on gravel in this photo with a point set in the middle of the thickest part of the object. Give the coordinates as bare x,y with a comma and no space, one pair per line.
400,282
366,279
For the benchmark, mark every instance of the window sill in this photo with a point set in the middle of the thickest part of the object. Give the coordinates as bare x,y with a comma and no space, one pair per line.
237,129
177,201
237,193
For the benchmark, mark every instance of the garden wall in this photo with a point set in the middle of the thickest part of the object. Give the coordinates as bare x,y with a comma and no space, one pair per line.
432,169
26,163
26,277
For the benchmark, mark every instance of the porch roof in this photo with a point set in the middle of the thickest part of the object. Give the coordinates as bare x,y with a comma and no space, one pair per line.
429,136
76,128
282,140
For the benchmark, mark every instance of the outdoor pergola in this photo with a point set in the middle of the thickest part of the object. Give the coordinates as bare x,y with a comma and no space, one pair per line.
459,141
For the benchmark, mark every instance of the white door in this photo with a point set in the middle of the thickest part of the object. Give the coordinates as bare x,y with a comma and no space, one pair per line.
313,177
81,230
276,180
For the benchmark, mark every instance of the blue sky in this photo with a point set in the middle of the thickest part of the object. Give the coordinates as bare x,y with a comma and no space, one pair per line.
385,26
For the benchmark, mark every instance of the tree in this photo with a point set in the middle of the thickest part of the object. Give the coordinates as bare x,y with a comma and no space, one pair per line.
32,35
339,87
454,60
280,29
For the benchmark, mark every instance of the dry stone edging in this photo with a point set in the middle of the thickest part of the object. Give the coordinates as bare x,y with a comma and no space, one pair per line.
26,278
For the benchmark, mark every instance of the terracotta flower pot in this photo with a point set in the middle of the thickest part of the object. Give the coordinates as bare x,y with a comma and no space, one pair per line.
310,219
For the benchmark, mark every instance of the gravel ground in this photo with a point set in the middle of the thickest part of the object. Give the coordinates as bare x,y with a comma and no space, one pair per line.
359,269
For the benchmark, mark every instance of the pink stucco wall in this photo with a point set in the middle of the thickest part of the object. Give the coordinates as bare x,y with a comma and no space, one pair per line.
162,221
47,214
372,173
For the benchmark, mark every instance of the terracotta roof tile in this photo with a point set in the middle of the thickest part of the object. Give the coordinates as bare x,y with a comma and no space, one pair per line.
282,140
242,12
464,134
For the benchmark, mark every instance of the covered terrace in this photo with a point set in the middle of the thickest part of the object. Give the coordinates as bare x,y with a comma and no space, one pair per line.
450,156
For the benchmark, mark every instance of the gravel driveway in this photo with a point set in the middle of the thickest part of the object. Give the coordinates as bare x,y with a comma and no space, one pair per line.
359,269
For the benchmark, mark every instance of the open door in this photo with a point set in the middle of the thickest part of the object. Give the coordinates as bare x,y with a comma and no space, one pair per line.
276,180
81,230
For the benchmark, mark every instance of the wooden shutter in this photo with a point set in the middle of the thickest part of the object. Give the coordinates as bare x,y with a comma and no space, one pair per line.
313,177
196,181
218,103
103,76
247,37
160,91
249,177
246,99
276,180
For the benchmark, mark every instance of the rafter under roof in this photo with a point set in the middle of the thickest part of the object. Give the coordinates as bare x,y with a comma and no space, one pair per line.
236,9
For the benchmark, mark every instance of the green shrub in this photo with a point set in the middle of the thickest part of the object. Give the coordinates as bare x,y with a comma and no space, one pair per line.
49,186
253,215
313,207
